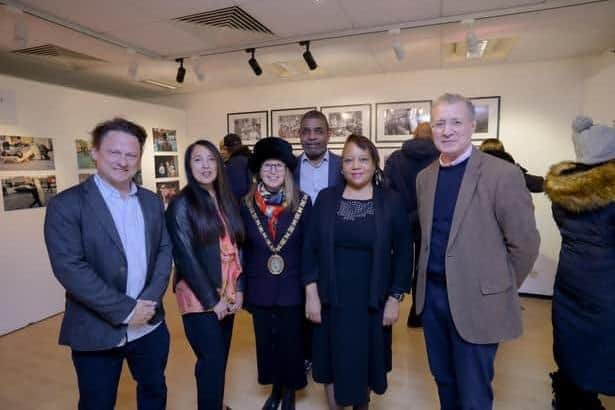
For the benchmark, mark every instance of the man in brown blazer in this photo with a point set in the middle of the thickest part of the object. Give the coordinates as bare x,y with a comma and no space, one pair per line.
479,242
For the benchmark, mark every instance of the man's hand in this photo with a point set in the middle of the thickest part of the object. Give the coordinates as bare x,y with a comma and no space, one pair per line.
391,312
144,311
312,304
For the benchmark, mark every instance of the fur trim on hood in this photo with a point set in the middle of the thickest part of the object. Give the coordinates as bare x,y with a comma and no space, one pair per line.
578,188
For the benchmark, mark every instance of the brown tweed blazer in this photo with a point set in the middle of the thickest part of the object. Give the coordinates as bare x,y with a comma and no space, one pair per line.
492,247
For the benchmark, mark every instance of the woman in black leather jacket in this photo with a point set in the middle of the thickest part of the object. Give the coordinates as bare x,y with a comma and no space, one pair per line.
206,231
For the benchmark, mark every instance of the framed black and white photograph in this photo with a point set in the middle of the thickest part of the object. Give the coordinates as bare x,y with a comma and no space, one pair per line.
26,153
166,166
396,121
250,126
84,156
25,192
348,119
164,140
285,123
487,117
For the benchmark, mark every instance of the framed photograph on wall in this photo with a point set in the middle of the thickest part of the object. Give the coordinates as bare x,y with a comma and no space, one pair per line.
285,123
164,140
348,119
166,166
487,117
250,126
26,153
84,158
25,192
395,121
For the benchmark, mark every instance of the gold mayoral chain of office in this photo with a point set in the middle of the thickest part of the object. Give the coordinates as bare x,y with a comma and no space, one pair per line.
276,263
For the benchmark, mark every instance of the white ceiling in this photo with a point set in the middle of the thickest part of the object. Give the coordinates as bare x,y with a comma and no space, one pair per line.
429,27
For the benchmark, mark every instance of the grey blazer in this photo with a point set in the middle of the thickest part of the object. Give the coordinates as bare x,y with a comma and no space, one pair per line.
492,247
88,259
335,171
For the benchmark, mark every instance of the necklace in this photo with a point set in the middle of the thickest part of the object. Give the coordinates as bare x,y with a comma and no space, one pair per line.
275,263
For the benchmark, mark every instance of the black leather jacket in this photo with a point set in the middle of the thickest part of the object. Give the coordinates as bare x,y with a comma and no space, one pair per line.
198,264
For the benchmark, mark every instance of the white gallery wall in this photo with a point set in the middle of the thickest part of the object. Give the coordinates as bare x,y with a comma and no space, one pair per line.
28,290
538,102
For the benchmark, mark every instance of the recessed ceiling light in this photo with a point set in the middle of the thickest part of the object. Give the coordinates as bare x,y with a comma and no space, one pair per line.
160,84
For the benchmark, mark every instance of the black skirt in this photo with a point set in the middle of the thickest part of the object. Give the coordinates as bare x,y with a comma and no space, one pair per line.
279,345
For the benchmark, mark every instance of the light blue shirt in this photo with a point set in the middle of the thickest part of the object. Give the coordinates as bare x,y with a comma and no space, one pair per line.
130,225
314,178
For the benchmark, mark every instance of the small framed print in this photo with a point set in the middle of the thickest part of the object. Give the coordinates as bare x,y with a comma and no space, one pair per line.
345,120
285,123
250,126
164,140
396,121
487,117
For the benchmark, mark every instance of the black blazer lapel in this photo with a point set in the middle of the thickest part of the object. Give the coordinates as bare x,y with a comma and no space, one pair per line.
96,201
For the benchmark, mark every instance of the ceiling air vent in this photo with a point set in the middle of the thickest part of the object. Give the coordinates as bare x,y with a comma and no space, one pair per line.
51,50
230,17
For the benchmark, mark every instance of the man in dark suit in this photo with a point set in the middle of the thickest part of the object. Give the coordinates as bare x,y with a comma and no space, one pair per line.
479,242
109,248
318,167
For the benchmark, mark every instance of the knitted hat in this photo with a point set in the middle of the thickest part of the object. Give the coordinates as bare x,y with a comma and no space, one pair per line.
272,148
592,143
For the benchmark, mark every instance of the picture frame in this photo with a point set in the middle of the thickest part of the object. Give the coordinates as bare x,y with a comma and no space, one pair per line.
487,117
251,126
166,166
348,119
83,149
21,153
164,140
27,191
395,121
285,123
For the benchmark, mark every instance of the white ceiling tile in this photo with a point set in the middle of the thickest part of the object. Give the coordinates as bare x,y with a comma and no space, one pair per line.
169,9
101,16
288,18
366,13
459,7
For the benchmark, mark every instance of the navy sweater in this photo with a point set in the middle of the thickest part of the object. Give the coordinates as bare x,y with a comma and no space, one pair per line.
447,191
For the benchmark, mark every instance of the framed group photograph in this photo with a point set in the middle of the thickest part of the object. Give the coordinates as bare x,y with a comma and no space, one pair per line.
167,190
348,119
164,140
166,166
285,123
250,126
26,153
487,117
396,121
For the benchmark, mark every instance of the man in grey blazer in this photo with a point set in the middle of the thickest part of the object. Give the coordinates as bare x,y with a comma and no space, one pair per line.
109,248
479,242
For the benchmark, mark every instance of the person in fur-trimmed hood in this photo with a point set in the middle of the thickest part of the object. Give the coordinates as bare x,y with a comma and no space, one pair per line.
583,196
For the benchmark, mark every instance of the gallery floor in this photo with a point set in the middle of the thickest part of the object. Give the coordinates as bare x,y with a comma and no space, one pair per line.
37,374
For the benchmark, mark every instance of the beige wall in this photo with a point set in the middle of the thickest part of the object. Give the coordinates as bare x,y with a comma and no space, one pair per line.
539,101
28,290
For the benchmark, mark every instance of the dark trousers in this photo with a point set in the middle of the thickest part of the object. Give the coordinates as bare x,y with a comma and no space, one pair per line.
210,340
463,370
98,372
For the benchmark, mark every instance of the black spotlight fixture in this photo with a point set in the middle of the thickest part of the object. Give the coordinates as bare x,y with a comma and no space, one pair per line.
253,63
307,55
181,71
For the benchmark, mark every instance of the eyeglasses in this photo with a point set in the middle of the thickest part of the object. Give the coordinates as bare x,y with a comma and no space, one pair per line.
273,166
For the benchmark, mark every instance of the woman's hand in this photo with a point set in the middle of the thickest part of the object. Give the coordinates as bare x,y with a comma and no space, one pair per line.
235,306
312,303
221,309
391,312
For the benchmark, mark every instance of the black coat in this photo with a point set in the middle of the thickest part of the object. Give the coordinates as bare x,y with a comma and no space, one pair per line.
584,293
237,172
392,258
196,263
263,288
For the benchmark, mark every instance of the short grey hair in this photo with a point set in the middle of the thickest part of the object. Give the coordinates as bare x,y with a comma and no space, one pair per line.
450,98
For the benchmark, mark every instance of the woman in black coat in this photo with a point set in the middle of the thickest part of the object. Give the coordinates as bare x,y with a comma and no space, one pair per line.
583,196
275,215
206,231
357,266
